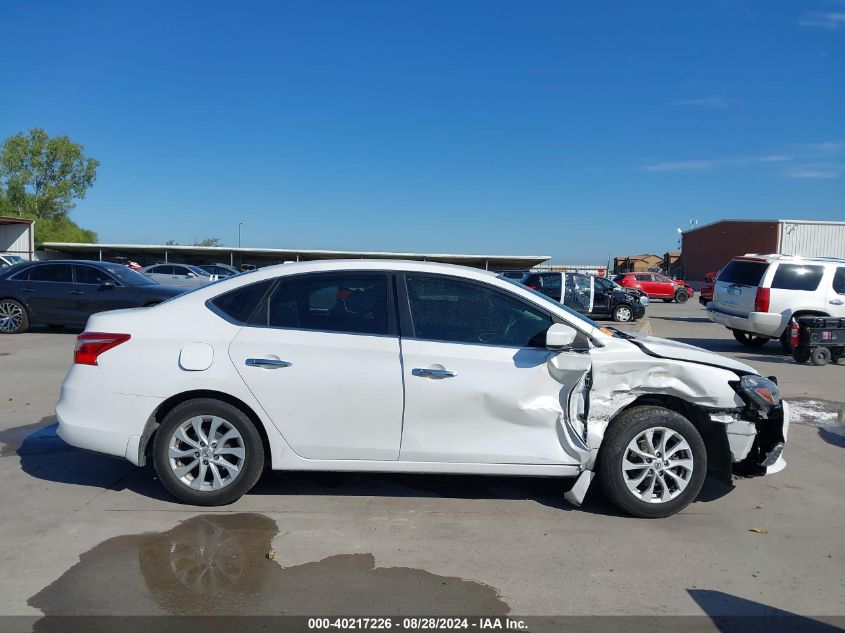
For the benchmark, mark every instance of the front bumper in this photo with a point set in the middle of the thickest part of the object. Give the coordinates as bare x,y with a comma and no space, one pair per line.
769,324
94,418
756,445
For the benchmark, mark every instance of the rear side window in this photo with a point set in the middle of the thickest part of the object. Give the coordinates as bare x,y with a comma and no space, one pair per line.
51,272
839,281
551,281
239,304
797,277
743,272
352,303
449,309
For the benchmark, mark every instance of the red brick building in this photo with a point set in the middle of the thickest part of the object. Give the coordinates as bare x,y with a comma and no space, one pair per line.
709,247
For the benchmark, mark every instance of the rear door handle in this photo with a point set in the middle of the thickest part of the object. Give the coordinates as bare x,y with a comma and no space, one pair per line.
75,292
836,302
270,363
433,373
29,289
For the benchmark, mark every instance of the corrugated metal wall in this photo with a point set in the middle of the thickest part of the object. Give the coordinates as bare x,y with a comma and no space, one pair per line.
812,239
16,238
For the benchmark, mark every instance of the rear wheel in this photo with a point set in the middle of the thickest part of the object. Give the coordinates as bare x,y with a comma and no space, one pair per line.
623,313
801,353
749,339
786,337
820,356
13,317
208,452
652,462
681,296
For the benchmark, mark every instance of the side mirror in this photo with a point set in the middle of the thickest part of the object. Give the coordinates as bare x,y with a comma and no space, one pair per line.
560,336
191,275
108,284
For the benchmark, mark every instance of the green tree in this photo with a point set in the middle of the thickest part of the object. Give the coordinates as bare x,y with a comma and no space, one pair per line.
40,178
45,174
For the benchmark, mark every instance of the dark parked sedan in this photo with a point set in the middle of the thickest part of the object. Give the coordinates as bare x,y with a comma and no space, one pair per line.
68,292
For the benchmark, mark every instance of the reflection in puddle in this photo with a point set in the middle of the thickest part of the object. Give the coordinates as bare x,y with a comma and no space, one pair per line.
216,564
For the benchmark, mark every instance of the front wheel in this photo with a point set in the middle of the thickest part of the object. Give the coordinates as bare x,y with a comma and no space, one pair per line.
13,317
623,313
652,462
749,339
208,452
681,296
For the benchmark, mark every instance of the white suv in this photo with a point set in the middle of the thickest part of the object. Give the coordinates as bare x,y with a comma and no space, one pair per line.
756,296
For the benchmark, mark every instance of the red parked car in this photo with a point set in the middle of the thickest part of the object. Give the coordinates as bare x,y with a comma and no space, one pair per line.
705,293
656,286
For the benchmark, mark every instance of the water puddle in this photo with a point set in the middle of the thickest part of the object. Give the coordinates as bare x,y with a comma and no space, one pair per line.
217,564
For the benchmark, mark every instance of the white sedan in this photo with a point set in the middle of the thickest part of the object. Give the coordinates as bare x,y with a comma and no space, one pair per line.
416,367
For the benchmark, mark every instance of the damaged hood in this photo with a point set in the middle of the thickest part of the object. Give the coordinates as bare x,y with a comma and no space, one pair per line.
665,348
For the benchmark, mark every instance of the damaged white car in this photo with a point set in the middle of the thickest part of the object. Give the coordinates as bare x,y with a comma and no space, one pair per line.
416,367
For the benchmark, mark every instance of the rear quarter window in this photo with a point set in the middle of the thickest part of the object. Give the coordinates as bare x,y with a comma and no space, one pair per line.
239,304
743,272
797,277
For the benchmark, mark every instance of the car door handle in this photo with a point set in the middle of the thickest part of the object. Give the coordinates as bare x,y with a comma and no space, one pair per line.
75,292
271,363
29,289
836,302
433,373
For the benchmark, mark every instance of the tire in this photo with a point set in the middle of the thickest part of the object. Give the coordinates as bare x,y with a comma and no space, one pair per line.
749,339
801,354
623,313
681,296
683,483
786,339
14,319
820,356
244,450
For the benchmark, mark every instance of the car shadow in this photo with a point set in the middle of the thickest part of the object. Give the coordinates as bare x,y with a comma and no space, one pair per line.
46,329
684,319
832,438
44,455
732,614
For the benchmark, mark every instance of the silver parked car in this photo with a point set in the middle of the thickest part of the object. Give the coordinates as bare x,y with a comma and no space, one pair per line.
182,275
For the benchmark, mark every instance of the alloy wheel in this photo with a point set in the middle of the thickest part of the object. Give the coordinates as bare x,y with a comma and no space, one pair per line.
11,316
623,314
657,465
206,453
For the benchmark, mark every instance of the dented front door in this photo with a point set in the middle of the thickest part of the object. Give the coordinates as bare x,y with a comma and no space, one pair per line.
480,386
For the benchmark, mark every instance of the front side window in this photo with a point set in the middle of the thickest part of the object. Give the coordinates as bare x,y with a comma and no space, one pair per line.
454,310
797,277
51,272
90,275
352,303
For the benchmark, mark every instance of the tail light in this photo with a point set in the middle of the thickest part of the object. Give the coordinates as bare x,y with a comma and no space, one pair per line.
793,333
532,286
761,301
89,345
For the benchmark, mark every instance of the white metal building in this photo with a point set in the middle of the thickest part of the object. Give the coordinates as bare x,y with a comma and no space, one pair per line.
811,239
17,237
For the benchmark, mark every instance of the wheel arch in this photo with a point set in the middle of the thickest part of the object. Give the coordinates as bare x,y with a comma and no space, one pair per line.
719,459
156,417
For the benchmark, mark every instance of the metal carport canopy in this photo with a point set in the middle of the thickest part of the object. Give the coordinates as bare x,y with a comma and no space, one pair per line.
223,253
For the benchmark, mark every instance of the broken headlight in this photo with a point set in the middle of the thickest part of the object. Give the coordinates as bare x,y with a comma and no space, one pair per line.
761,391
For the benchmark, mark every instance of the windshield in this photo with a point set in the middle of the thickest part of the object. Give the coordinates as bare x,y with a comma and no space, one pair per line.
587,321
129,277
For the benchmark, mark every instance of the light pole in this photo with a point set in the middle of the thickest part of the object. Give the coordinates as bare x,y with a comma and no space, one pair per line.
240,224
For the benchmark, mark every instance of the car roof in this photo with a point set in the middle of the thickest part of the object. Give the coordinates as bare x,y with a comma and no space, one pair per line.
774,257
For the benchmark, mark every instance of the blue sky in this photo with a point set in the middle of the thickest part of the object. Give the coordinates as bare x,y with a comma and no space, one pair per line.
569,129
